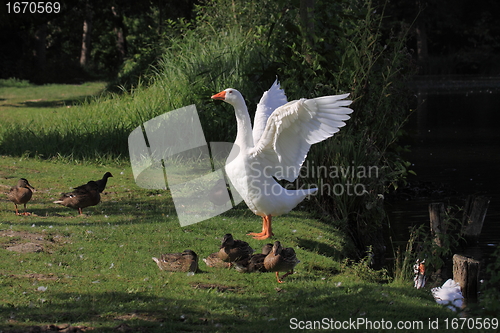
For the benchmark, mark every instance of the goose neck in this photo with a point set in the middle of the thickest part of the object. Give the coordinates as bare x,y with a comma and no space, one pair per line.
244,137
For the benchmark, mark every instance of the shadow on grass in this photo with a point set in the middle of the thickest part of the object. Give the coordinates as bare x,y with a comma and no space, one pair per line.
130,211
18,140
42,104
52,104
185,308
319,247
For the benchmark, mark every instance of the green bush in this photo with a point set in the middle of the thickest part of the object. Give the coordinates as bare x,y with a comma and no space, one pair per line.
349,49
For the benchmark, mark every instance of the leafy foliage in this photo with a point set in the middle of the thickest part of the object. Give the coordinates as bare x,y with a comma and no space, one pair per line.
422,245
490,291
348,49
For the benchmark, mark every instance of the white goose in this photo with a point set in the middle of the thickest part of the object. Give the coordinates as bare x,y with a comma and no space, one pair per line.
277,146
449,294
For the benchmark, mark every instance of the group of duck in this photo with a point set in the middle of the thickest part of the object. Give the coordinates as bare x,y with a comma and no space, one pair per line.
82,196
235,253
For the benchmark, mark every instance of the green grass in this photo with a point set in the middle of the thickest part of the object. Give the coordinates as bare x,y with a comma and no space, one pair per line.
98,272
21,102
97,269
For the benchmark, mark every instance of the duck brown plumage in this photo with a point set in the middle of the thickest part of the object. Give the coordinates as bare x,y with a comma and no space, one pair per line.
255,263
82,196
233,250
281,260
21,194
213,260
186,261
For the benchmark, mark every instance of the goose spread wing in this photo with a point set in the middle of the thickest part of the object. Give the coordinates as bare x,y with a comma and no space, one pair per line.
270,101
291,130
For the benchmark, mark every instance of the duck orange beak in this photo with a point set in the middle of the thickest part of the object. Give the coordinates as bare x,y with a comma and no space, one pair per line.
220,96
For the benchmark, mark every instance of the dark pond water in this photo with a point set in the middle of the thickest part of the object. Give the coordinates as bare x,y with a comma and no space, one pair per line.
455,146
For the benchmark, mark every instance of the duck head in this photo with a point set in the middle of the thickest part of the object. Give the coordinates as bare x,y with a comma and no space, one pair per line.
277,248
23,182
227,241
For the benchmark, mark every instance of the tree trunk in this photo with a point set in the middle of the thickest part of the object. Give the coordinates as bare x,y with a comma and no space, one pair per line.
121,43
474,214
421,35
40,52
307,23
466,274
86,36
438,224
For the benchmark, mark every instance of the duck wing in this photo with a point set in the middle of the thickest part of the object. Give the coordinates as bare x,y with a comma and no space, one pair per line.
291,130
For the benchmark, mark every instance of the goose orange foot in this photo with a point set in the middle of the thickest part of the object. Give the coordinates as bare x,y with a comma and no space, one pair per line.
266,229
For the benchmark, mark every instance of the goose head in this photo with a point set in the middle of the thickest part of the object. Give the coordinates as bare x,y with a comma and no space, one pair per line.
231,96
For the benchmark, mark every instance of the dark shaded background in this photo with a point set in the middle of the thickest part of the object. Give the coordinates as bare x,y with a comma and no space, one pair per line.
448,37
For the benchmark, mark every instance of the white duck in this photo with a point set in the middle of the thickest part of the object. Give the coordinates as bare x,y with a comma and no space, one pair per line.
277,146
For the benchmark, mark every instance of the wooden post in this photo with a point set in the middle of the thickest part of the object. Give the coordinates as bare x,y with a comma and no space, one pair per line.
466,274
438,227
474,213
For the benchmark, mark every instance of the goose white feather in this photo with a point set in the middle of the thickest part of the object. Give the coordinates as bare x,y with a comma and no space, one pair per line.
449,294
277,146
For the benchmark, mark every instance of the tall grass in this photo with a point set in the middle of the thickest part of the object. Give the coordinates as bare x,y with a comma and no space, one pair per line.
422,245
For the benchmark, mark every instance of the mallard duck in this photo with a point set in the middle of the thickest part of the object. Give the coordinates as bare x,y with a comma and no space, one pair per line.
419,270
101,183
255,263
281,260
232,249
213,260
21,194
186,261
83,196
277,146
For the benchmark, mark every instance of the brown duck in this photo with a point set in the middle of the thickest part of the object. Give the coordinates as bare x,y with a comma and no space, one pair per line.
255,263
233,250
186,261
213,260
281,260
83,196
21,194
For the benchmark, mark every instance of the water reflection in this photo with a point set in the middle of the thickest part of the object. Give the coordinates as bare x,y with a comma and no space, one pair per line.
455,141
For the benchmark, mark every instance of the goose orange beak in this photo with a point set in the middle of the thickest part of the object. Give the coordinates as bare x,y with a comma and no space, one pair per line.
220,96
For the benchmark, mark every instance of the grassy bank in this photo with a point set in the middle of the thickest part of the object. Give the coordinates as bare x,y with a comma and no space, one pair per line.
96,271
22,102
96,130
